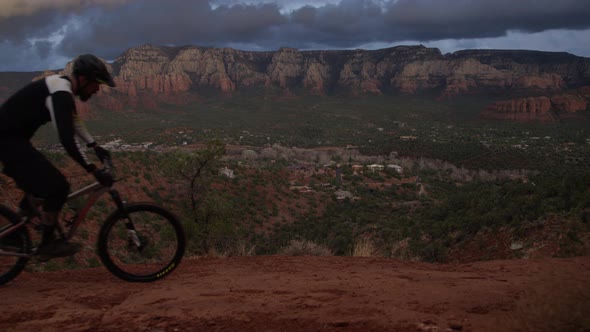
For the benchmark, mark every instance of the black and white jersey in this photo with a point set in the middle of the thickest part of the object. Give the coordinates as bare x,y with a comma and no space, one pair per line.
42,101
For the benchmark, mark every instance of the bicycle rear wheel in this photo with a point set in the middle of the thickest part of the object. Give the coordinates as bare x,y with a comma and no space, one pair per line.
143,244
17,242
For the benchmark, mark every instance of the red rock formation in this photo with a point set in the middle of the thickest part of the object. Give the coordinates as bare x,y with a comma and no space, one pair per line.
286,66
167,70
543,109
148,75
569,103
314,77
361,75
522,109
84,109
543,82
462,75
44,74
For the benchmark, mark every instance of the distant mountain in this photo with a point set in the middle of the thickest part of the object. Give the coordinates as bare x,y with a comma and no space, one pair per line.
148,74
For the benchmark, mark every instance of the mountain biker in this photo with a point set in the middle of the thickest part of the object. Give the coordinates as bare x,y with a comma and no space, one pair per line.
39,102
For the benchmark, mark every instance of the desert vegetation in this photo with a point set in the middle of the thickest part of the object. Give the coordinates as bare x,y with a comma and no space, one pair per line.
432,211
273,176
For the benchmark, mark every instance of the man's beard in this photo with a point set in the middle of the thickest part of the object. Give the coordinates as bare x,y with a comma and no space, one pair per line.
84,96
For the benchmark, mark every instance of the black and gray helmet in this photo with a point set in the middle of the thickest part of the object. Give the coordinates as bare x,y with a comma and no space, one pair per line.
93,69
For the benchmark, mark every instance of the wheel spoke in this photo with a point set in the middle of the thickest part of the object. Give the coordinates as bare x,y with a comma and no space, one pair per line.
145,249
16,242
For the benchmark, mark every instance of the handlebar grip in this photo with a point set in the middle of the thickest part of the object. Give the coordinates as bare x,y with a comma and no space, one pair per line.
108,164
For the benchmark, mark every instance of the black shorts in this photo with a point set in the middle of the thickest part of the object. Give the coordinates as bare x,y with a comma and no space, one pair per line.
33,173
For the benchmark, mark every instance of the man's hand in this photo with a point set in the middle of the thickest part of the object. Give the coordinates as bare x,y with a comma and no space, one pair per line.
103,177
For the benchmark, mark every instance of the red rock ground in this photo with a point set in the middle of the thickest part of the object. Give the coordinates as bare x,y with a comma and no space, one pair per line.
279,293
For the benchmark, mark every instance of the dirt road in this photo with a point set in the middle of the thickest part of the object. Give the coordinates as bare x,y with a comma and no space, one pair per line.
277,293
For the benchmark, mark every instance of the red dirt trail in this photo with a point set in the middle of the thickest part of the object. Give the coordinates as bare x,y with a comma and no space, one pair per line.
279,293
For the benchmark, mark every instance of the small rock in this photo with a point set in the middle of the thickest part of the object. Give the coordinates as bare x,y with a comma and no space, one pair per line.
456,326
428,326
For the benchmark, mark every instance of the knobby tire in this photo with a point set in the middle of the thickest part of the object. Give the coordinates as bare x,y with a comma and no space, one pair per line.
158,229
18,241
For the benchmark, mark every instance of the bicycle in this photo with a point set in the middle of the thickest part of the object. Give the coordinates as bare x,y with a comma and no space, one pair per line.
138,242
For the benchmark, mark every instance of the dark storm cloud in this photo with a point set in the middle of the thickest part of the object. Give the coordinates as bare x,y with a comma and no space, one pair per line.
432,20
17,29
351,21
107,30
175,22
344,25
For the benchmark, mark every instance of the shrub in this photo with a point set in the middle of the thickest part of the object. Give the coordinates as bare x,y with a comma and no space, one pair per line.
299,247
236,248
364,247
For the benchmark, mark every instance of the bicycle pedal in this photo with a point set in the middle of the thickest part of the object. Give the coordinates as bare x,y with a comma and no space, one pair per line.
41,258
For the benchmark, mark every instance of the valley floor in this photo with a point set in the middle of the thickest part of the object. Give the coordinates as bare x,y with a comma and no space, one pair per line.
280,293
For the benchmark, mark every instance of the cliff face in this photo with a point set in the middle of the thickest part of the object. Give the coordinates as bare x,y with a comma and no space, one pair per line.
409,69
545,109
148,74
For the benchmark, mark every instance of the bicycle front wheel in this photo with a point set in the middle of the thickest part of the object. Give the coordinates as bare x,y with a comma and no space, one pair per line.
11,246
144,243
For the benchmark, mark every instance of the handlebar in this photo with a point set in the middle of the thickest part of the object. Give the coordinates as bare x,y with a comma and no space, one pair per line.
108,164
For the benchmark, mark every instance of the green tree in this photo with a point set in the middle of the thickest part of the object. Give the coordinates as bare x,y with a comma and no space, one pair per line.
210,211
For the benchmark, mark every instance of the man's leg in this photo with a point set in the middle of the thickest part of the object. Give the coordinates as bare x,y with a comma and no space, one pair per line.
34,174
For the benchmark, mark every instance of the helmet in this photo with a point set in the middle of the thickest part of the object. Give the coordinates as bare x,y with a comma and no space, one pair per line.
93,69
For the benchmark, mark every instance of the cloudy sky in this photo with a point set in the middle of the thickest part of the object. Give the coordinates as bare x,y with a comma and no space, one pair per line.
45,34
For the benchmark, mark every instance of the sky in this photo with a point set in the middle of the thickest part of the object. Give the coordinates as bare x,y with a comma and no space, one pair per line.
46,34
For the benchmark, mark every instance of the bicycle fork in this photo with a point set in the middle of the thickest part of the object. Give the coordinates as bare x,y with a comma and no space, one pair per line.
131,232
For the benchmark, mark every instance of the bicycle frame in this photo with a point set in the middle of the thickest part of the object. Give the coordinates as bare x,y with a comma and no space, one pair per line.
94,191
10,230
138,254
